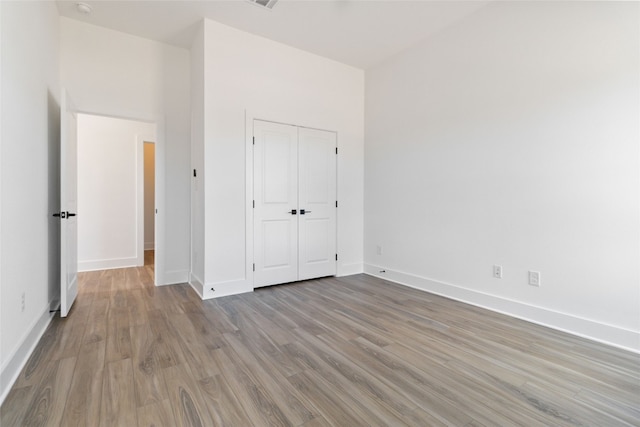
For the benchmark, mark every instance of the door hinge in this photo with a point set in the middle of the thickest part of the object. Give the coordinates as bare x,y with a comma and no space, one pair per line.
336,257
254,204
254,267
336,203
336,150
254,140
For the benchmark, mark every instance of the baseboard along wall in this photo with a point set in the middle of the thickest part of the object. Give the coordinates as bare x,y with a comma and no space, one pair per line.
585,328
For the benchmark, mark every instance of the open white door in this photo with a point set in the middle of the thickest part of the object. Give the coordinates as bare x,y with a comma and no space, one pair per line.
68,205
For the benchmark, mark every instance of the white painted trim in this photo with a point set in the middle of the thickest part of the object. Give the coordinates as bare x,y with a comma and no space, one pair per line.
350,269
175,277
107,264
20,355
139,144
585,328
141,245
224,289
196,284
2,382
160,191
5,383
248,274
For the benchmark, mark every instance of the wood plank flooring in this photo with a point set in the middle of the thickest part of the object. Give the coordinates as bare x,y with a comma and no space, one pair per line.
353,351
149,257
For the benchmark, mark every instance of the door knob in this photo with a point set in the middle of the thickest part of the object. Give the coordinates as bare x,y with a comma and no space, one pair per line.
302,211
294,212
64,214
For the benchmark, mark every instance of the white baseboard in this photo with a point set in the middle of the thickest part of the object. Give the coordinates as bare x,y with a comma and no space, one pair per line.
174,277
196,284
17,360
586,328
107,264
221,289
224,289
350,269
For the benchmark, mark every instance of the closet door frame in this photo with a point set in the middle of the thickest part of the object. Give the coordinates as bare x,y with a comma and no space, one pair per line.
290,118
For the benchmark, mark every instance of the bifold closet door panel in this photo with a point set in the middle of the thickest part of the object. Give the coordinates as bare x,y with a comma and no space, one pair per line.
275,158
317,203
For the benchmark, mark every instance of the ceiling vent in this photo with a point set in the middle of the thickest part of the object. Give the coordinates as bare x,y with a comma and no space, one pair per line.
268,4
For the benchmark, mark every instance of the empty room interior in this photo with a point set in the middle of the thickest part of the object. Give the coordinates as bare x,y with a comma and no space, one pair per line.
319,213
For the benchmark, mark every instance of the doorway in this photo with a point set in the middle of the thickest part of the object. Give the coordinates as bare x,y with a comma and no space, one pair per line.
111,191
149,149
294,203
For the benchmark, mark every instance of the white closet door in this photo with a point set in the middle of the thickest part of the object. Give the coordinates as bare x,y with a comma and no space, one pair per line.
317,203
275,163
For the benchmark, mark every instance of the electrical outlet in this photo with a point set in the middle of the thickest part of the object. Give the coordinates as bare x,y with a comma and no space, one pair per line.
379,249
497,271
534,278
24,301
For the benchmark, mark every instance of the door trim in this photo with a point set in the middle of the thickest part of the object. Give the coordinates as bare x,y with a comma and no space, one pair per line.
284,118
140,243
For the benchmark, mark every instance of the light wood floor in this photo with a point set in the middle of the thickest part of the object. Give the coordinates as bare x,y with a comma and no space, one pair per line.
149,257
345,352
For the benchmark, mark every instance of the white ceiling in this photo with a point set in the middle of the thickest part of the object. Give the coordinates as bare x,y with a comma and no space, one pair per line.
360,33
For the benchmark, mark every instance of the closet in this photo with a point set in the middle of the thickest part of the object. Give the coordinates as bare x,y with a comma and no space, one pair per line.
295,205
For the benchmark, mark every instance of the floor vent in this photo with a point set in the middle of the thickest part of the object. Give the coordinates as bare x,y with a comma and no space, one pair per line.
264,3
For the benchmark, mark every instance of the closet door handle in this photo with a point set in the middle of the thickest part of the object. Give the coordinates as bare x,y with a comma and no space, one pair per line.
64,214
294,212
302,211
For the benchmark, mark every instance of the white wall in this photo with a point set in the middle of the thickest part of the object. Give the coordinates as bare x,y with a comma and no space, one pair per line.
109,164
197,161
243,73
30,133
2,355
149,194
512,139
114,74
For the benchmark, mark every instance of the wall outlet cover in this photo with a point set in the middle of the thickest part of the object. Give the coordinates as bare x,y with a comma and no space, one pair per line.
497,271
534,278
